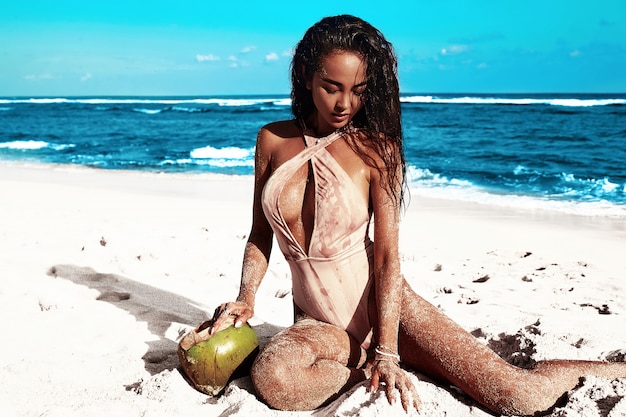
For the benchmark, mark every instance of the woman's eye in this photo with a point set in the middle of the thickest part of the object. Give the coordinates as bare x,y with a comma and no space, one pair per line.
359,93
330,90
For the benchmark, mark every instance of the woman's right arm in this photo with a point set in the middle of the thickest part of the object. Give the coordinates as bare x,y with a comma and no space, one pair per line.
259,245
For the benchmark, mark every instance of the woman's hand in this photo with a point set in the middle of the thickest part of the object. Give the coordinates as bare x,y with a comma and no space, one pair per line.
393,376
241,311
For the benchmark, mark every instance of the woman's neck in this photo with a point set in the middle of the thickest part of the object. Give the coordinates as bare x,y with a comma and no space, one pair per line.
311,125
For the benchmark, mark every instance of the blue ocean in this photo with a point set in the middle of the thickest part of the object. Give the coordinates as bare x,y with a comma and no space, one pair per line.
554,151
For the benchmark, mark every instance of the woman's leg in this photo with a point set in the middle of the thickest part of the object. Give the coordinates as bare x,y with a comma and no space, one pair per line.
433,344
306,365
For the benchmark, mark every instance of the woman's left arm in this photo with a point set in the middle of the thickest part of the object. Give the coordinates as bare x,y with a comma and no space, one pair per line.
388,282
387,274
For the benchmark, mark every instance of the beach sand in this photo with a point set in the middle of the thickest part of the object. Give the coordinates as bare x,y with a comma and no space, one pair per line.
102,272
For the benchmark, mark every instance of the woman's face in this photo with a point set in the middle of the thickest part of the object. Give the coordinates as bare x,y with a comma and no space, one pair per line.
338,91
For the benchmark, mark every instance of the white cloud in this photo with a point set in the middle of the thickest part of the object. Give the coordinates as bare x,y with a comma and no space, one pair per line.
207,58
575,53
272,56
482,65
86,77
248,49
454,50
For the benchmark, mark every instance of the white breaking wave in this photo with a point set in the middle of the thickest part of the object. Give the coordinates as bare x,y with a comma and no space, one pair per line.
227,157
224,163
524,202
148,111
218,163
281,101
230,152
32,145
424,183
426,178
567,102
174,101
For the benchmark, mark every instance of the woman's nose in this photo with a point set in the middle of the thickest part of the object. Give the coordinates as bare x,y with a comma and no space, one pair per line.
343,102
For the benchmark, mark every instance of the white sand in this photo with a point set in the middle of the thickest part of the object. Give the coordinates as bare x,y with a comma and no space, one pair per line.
103,271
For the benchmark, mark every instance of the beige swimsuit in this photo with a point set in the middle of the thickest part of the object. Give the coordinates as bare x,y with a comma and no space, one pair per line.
332,281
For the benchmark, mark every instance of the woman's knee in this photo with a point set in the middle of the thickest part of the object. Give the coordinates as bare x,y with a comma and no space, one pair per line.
272,379
302,367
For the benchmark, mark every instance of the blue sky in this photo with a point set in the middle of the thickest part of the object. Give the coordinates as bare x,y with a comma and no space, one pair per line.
113,47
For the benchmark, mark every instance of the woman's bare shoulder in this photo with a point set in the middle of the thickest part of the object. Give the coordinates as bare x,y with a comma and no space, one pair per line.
278,141
284,129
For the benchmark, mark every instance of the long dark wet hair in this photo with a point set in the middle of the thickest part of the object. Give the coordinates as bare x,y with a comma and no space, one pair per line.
380,115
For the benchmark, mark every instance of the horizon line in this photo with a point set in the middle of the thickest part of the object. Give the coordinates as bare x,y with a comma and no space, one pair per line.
51,96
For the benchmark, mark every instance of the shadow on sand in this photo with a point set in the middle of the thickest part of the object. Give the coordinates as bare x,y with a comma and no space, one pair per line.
156,307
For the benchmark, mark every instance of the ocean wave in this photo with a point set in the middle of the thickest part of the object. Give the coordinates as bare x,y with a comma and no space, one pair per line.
270,102
224,163
148,111
600,208
30,145
564,102
229,152
592,197
569,185
425,178
187,109
227,157
168,109
592,188
227,102
212,163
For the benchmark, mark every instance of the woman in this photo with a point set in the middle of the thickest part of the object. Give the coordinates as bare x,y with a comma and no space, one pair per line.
321,180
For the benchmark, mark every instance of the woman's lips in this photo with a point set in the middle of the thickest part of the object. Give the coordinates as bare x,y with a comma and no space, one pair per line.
341,117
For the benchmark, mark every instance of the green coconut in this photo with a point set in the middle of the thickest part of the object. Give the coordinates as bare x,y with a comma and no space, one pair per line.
210,362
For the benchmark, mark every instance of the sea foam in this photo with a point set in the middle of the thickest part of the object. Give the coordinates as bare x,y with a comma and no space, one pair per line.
569,102
32,145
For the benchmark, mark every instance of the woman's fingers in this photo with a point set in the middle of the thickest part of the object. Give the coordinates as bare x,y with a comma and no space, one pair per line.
375,381
241,312
408,395
390,389
243,317
395,378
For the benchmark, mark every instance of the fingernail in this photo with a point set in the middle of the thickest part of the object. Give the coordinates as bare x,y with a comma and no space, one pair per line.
238,324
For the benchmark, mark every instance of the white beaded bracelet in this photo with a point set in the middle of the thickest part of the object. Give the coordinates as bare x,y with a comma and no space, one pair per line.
391,355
